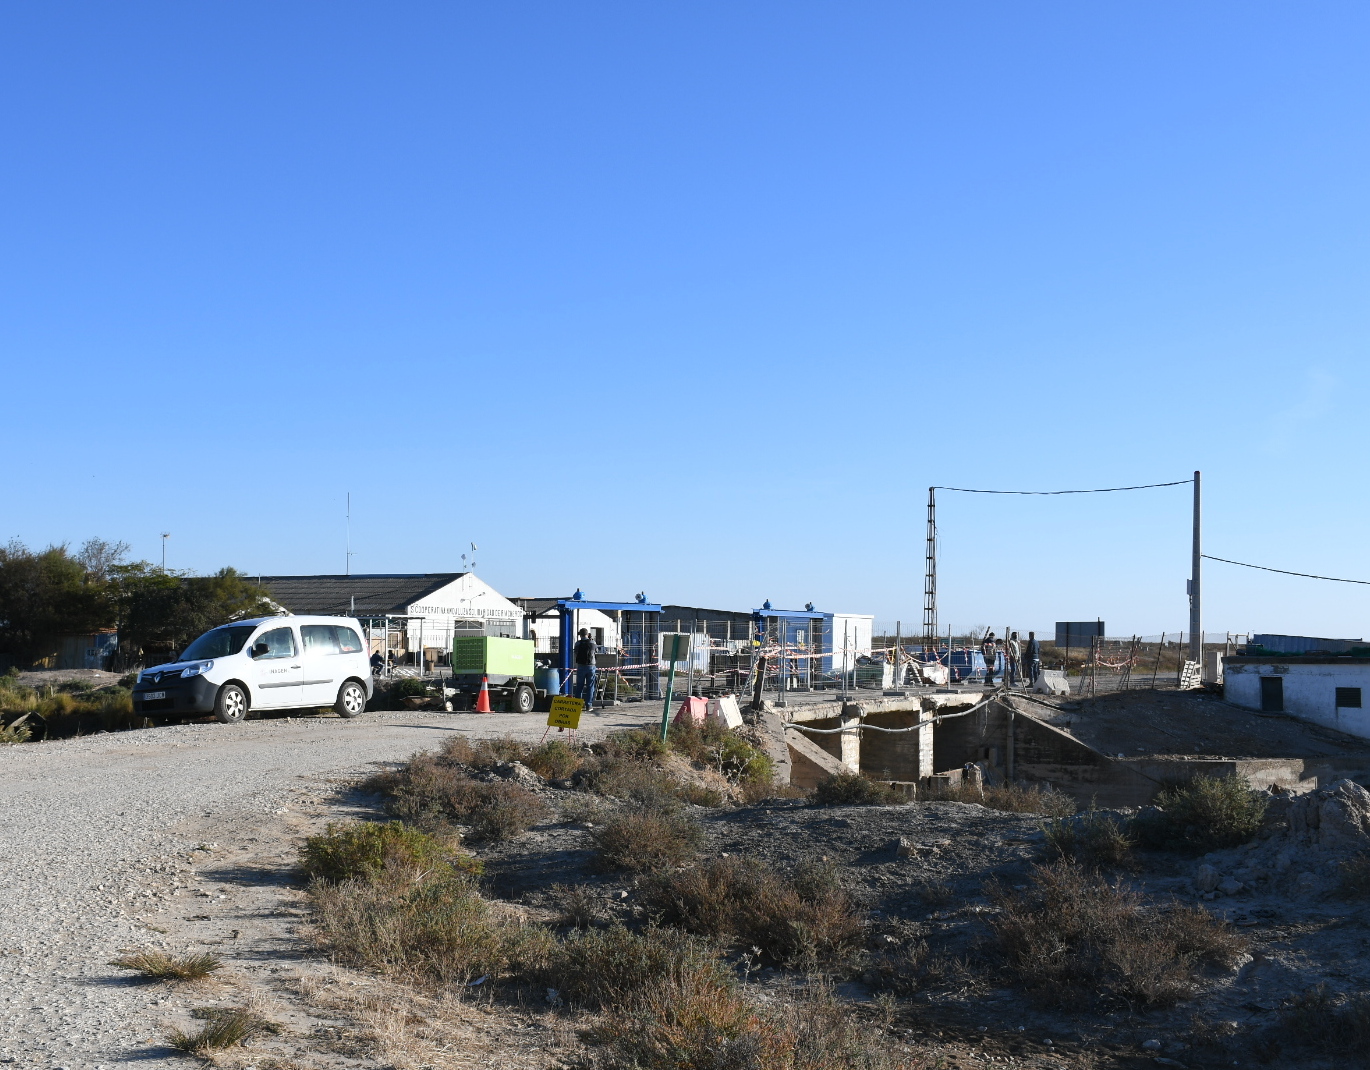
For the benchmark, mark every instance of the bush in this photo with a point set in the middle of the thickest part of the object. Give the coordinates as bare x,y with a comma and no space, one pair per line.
432,793
853,789
1338,1024
368,851
1206,814
613,969
643,841
15,732
159,966
633,745
1073,937
554,760
1095,839
806,918
408,687
439,930
1012,798
722,749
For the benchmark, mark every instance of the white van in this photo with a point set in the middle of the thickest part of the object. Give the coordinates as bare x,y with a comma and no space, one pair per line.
270,663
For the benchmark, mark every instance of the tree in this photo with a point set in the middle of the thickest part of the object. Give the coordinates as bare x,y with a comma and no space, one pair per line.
44,596
164,611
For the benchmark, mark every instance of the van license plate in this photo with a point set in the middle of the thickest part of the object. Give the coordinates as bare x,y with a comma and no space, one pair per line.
151,696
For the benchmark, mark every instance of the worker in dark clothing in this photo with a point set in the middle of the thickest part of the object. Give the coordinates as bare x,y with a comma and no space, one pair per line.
990,650
1033,657
585,668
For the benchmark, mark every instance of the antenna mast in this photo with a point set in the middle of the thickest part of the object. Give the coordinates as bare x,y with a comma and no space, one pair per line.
930,576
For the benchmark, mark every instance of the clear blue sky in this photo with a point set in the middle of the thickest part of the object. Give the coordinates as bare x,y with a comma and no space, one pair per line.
698,299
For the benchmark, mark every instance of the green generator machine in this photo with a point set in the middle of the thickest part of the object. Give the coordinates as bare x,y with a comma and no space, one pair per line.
507,663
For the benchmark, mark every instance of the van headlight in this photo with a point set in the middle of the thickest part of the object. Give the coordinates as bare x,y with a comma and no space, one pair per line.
197,668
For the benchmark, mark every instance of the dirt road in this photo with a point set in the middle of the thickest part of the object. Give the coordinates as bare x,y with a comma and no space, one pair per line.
180,838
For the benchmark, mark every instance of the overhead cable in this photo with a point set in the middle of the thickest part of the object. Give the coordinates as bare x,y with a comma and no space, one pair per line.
1097,490
1286,572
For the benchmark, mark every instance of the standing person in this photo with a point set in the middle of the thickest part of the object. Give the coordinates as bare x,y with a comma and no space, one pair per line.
585,668
1013,656
990,650
1034,659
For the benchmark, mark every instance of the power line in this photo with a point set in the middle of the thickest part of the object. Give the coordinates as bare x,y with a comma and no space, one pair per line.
1099,490
1286,572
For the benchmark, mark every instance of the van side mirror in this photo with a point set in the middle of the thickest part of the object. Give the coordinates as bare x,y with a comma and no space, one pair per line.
259,650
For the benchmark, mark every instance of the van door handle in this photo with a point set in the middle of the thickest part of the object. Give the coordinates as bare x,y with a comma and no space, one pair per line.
294,666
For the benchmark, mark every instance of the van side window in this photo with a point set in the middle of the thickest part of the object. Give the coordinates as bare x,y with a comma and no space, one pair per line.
319,638
279,643
349,641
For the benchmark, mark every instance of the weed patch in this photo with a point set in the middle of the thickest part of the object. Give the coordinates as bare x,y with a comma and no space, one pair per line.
432,793
1338,1024
1011,798
723,750
648,840
159,966
224,1028
555,760
1206,814
1094,839
853,789
1074,936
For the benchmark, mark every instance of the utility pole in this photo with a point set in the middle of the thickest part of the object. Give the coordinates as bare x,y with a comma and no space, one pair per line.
930,577
1196,635
347,561
165,535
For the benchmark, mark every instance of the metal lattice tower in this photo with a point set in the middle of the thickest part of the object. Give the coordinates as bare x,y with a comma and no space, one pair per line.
930,577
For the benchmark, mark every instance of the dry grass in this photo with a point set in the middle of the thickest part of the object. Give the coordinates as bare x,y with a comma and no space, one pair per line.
578,906
648,840
16,731
370,851
722,750
225,1027
1336,1023
159,966
805,919
1011,798
1073,937
853,789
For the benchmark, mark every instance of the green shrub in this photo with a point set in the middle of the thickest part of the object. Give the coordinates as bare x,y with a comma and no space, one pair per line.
1072,937
555,760
853,789
366,851
722,749
15,732
225,1027
633,745
806,918
408,687
1206,814
643,841
1094,839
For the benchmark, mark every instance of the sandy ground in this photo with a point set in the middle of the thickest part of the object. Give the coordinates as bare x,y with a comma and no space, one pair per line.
182,838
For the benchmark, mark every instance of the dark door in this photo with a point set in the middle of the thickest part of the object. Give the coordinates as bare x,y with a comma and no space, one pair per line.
1272,694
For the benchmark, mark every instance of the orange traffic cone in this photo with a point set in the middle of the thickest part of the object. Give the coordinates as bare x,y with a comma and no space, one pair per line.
483,699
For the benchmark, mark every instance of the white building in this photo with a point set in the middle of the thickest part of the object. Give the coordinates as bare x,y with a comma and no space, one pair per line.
1325,689
542,623
409,611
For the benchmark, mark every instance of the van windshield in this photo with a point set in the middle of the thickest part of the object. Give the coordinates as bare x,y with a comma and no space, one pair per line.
219,643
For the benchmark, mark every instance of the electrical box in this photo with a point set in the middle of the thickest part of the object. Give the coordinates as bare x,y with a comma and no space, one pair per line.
492,655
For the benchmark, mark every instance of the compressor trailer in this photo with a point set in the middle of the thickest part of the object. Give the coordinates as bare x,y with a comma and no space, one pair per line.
506,663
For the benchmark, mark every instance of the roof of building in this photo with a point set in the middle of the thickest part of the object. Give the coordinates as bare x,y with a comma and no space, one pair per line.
382,593
538,606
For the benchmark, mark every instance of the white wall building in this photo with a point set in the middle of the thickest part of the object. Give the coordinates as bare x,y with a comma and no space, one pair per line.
1327,690
542,623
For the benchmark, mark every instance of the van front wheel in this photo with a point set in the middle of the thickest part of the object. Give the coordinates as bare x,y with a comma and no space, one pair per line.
231,705
351,699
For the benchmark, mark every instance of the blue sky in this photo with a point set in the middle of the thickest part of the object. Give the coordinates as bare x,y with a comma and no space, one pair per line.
699,299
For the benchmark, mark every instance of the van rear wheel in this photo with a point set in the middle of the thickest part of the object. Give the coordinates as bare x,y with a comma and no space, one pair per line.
230,706
351,699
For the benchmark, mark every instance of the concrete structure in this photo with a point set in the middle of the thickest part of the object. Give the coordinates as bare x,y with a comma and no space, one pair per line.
1331,691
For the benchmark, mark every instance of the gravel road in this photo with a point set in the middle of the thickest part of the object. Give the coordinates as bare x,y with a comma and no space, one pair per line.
176,837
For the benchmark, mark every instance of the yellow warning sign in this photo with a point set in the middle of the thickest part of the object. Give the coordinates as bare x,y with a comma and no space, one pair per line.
566,712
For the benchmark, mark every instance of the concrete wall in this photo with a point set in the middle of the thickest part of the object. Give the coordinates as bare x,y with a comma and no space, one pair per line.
1309,689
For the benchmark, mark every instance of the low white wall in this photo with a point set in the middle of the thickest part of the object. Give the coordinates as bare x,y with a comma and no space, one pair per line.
1309,692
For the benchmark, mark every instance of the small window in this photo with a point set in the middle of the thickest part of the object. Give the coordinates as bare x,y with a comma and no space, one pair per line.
319,638
349,641
279,643
598,633
1348,698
